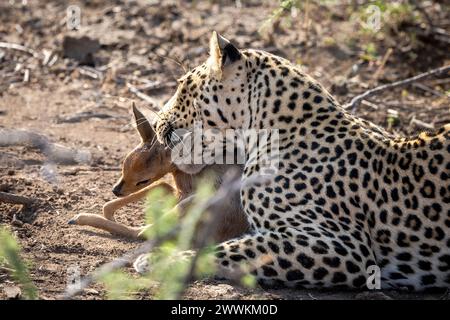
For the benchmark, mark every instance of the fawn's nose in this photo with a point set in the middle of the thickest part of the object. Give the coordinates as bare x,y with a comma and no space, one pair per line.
117,190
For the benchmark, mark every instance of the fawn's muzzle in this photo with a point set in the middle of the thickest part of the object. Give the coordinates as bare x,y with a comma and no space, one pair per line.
117,190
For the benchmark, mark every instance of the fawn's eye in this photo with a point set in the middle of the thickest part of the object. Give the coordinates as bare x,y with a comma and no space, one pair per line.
142,182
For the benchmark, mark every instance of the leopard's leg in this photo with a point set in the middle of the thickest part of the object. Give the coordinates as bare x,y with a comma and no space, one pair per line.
297,258
112,206
291,257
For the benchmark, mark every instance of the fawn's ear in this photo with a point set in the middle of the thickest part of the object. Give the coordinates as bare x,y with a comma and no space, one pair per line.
143,125
222,52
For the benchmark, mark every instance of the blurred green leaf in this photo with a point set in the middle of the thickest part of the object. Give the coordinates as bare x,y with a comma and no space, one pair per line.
120,286
10,256
160,213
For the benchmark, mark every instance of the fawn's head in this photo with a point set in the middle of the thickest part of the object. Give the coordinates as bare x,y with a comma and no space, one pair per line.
146,163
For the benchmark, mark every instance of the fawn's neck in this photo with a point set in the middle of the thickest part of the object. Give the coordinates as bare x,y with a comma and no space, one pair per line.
184,183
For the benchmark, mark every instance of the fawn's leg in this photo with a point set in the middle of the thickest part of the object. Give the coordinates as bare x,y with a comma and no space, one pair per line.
100,222
112,206
180,209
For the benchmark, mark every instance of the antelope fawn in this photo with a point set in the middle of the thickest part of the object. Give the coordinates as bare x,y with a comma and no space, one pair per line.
141,170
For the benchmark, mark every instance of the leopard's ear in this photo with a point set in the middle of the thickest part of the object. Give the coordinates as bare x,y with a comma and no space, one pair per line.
142,125
222,52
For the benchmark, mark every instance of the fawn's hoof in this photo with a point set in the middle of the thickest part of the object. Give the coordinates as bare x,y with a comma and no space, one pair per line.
73,220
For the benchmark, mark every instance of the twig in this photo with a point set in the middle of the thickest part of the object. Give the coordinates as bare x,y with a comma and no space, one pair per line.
422,124
370,104
13,198
153,103
354,103
147,85
382,64
90,72
85,115
26,75
156,85
18,47
427,89
54,152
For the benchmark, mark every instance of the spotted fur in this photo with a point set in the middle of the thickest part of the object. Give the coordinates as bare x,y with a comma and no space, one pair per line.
347,194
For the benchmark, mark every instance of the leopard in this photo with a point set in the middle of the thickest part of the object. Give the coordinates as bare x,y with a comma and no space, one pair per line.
348,200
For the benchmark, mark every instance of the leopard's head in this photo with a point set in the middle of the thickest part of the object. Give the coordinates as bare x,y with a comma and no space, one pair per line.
214,93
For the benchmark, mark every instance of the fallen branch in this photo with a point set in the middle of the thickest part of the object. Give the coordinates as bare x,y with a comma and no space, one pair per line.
85,115
18,47
356,101
54,152
90,72
153,103
156,85
16,199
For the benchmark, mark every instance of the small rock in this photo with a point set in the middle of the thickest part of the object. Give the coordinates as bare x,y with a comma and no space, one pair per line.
11,172
74,197
12,292
81,49
91,291
339,87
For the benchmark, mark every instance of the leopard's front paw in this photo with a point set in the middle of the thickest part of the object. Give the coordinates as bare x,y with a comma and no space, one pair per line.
142,263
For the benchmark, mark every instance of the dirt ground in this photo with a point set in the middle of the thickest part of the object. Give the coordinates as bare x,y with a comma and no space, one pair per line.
147,44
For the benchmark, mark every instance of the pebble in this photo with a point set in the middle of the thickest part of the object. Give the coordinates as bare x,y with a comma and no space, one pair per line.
12,292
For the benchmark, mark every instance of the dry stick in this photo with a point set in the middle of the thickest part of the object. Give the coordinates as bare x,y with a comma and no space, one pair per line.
18,47
156,85
382,64
86,115
153,103
12,198
54,152
357,100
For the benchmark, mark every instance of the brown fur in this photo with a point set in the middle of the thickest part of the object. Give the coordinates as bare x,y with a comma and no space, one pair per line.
143,167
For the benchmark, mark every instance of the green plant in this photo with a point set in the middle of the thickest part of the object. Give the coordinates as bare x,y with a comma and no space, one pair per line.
10,257
120,286
172,265
370,52
285,6
170,268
